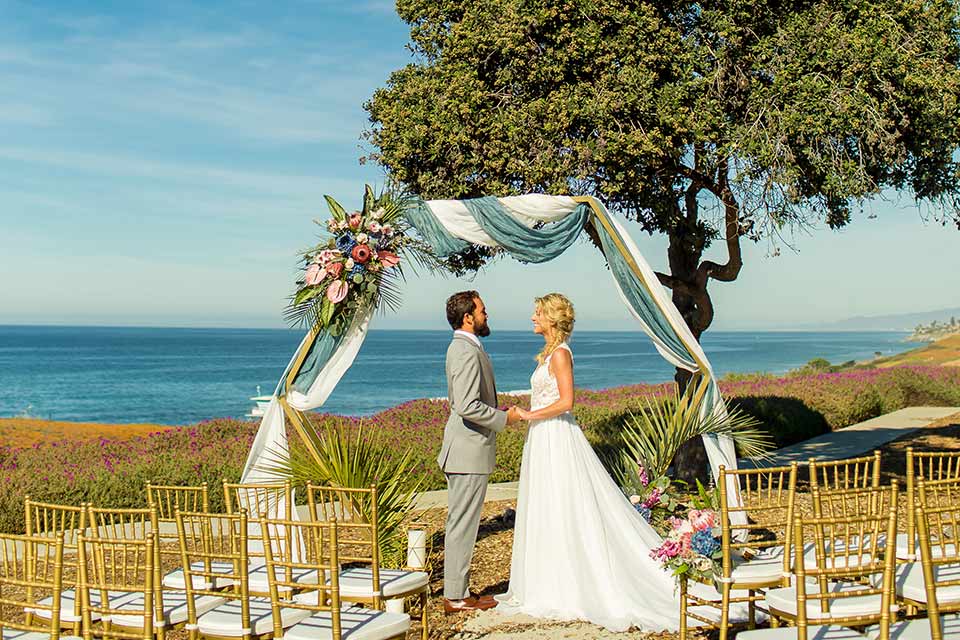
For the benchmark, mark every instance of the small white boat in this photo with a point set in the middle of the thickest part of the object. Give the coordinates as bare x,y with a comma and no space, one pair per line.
262,402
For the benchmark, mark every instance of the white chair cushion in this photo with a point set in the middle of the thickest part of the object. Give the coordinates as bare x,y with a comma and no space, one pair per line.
904,549
768,570
259,581
176,580
358,582
785,600
919,629
355,623
174,609
67,600
224,620
816,632
909,582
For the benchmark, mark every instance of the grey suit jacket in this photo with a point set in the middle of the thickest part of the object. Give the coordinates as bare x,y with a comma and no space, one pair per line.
470,437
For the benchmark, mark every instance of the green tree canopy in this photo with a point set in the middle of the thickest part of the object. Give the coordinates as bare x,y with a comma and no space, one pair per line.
706,121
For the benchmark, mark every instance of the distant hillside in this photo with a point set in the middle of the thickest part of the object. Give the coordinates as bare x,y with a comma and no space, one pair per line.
893,322
943,352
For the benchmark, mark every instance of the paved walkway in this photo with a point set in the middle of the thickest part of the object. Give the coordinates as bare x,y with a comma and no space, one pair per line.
849,442
860,438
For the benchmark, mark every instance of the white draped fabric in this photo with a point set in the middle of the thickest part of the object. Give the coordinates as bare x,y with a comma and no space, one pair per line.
457,220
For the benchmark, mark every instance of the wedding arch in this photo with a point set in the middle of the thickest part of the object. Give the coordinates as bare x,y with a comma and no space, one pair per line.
340,290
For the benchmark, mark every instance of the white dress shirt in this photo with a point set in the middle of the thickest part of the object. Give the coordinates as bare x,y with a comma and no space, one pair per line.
473,337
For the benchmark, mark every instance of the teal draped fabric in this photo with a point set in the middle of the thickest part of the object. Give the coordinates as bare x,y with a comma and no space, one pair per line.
640,298
523,243
432,231
320,352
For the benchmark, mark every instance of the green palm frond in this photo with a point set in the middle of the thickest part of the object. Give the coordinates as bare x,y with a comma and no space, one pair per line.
357,461
654,436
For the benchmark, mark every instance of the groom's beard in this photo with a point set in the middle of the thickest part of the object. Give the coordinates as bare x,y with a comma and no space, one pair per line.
482,331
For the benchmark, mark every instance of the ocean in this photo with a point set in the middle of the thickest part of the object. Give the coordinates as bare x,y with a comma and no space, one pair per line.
182,376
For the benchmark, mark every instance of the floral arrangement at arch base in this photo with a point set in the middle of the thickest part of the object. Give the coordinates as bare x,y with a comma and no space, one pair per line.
692,547
358,263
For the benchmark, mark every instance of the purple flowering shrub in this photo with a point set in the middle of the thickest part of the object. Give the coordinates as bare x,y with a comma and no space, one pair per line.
114,472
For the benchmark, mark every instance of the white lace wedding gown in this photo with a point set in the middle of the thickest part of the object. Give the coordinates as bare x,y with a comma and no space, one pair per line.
580,549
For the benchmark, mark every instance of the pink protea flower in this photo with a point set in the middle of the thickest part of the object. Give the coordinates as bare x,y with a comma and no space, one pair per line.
355,219
314,275
361,254
388,258
702,519
334,269
337,291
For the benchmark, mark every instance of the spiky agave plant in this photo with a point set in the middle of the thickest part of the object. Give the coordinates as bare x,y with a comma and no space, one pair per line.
357,460
653,436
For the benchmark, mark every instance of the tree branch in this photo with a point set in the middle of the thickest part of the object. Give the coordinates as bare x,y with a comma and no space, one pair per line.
731,212
676,284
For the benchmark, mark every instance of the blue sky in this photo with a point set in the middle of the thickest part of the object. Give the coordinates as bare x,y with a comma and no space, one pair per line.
162,164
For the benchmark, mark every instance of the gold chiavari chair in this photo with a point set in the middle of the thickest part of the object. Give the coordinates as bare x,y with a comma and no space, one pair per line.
117,573
31,575
167,499
754,555
830,597
259,500
170,604
849,550
839,475
927,466
939,502
940,577
210,542
847,503
45,519
355,510
293,546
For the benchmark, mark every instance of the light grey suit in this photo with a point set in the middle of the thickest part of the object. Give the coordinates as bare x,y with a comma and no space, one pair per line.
467,456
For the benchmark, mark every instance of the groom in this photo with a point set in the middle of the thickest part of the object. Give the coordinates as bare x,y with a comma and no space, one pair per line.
469,444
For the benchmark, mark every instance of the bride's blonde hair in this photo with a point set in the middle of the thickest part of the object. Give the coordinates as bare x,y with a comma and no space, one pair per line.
557,310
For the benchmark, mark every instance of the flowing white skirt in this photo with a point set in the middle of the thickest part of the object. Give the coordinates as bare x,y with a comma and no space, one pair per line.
580,549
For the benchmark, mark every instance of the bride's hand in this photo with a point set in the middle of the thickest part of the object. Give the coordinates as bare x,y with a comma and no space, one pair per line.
524,414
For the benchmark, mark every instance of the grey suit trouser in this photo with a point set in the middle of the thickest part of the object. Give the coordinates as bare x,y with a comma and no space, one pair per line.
465,494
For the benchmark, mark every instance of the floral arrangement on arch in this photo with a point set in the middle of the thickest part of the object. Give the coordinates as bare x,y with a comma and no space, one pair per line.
358,264
692,546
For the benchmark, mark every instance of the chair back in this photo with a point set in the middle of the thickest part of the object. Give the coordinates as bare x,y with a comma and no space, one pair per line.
51,520
851,473
213,547
168,498
938,526
939,558
31,571
292,546
358,526
767,495
926,466
259,499
849,550
851,503
123,574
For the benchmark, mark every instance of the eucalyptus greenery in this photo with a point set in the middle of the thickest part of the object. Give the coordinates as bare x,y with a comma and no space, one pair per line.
358,460
653,436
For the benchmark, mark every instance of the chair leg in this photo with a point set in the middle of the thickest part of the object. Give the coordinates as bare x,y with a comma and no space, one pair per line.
751,611
724,609
683,608
424,631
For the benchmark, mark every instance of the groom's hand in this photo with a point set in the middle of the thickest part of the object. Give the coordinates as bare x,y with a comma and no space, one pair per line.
513,415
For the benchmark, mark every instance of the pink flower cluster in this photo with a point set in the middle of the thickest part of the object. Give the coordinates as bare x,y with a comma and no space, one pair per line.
678,542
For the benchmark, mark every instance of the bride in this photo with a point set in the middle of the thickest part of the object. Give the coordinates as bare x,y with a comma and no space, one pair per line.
580,549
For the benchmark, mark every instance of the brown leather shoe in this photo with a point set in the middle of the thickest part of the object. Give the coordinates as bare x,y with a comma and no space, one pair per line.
486,602
460,606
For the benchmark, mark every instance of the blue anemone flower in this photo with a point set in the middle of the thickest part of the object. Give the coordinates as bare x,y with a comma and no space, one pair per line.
704,543
346,243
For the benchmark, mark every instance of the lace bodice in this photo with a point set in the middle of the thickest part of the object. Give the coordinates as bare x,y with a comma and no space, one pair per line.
543,386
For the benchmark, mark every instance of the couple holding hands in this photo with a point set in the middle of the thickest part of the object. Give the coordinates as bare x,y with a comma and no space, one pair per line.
580,549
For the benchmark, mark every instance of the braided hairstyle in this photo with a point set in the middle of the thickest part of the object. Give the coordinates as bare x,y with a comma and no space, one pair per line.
557,310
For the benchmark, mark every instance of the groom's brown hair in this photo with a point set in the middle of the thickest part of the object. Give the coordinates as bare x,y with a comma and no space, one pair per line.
459,305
